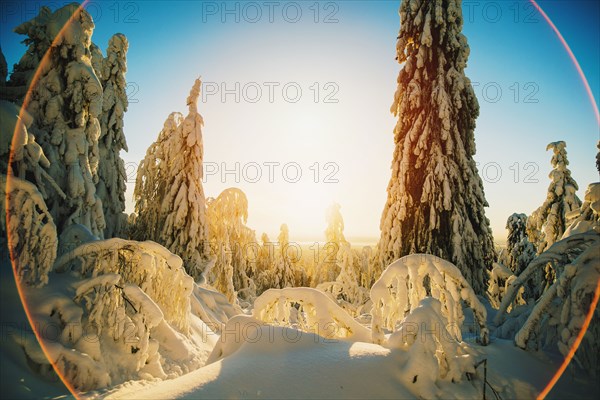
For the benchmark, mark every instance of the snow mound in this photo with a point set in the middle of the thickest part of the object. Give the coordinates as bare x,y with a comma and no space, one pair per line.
408,280
433,352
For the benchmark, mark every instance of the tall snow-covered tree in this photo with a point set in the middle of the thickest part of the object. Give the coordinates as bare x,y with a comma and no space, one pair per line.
547,224
170,203
65,103
111,168
435,201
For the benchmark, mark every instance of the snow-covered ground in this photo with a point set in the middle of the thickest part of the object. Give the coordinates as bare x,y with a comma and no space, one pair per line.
311,368
255,360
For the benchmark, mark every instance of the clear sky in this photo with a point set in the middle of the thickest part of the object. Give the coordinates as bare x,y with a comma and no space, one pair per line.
309,85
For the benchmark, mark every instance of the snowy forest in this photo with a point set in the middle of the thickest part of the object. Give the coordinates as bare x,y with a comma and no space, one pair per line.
182,298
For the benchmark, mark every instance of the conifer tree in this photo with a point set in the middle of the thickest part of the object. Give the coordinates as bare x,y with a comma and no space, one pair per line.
435,201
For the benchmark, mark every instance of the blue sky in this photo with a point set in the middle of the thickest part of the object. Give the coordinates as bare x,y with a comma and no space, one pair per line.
528,89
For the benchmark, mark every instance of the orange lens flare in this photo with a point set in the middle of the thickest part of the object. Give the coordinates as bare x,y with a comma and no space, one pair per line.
34,81
576,343
573,59
27,99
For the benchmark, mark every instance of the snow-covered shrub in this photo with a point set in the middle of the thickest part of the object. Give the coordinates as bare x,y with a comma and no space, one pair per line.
230,240
147,264
131,314
547,224
170,203
407,281
433,353
29,228
435,200
308,310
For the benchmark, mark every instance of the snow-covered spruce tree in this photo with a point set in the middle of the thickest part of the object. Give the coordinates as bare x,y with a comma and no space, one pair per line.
519,250
3,69
277,267
435,201
598,157
547,224
329,268
170,203
111,168
65,104
337,268
283,267
230,240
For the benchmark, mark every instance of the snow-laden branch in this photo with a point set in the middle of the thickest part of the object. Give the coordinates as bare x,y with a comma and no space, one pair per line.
559,254
575,288
30,230
157,271
316,313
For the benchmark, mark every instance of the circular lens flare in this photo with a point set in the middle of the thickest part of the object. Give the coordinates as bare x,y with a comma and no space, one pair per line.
34,81
20,290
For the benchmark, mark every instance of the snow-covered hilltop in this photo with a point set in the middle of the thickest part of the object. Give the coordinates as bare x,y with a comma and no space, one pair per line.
180,299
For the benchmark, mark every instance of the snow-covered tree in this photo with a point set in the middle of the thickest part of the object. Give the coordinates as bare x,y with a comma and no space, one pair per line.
519,250
588,216
435,201
277,264
111,168
558,316
3,69
366,267
230,240
407,281
284,267
598,157
170,203
337,254
547,224
65,101
337,268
